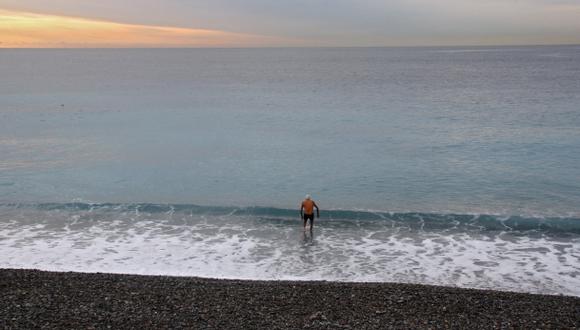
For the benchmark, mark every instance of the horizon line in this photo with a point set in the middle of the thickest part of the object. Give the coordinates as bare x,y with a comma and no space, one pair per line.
293,47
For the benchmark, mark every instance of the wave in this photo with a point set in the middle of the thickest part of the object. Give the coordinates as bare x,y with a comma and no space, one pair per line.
410,220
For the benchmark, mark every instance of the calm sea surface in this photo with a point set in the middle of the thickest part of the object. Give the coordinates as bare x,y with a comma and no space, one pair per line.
453,166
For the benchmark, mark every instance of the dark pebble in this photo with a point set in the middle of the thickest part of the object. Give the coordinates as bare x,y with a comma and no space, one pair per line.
32,299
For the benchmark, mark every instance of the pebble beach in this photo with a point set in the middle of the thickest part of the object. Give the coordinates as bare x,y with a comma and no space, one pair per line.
32,299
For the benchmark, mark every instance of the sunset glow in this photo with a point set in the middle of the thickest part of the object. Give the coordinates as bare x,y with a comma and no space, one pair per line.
27,30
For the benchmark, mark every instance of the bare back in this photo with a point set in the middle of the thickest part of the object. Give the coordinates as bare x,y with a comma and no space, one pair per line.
308,206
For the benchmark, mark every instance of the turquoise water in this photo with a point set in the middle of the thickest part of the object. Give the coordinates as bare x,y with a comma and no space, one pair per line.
454,166
423,130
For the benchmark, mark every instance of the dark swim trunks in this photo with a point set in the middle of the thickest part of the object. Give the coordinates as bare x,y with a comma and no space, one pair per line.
309,216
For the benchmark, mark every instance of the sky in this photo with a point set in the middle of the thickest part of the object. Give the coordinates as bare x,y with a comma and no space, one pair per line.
282,23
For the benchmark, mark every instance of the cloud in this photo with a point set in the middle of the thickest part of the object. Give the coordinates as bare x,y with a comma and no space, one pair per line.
21,29
344,22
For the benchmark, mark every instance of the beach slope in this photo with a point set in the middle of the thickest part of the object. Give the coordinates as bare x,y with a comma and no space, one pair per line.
39,299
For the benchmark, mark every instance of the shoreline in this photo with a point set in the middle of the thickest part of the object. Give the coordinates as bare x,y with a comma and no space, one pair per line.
34,299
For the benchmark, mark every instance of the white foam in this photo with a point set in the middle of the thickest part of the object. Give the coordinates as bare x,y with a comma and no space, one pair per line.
232,248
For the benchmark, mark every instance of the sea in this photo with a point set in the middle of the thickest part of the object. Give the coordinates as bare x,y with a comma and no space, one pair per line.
453,166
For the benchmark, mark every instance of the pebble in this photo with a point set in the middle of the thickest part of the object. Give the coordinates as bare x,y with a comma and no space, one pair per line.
51,300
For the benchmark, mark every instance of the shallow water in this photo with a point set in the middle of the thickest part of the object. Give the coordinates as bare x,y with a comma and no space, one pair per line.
517,254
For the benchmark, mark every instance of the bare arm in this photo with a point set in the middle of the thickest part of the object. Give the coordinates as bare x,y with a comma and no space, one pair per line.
317,210
301,208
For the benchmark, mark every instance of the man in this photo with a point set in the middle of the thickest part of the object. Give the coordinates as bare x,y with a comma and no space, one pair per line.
307,211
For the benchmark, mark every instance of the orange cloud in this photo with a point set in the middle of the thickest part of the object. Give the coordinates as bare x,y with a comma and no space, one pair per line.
27,30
